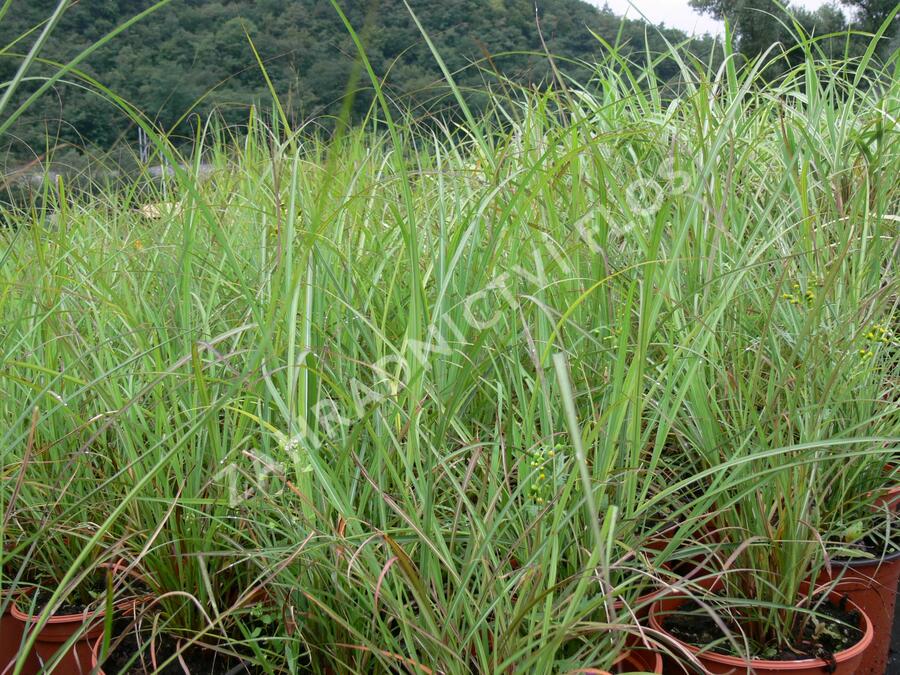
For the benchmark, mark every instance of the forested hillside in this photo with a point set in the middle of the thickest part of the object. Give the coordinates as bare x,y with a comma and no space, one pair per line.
195,55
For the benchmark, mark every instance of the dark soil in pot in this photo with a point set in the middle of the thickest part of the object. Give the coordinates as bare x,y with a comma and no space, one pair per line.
135,654
34,603
90,599
874,545
693,625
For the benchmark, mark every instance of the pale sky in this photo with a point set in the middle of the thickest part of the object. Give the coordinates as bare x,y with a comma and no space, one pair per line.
678,13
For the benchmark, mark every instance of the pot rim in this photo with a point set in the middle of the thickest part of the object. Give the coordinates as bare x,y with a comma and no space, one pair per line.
887,494
736,661
55,619
866,562
95,656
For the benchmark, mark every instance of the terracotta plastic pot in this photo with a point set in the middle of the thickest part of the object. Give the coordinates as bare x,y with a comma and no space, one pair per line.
57,631
696,568
703,535
889,498
848,661
872,586
640,661
95,657
637,661
641,605
11,636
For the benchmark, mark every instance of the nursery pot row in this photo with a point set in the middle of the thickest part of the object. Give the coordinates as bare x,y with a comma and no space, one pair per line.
872,586
869,586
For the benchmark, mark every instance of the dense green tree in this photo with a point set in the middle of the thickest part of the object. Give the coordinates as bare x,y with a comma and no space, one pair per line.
198,49
871,14
760,23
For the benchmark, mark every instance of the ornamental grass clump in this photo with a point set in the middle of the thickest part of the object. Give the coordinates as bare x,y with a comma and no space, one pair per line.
782,417
464,398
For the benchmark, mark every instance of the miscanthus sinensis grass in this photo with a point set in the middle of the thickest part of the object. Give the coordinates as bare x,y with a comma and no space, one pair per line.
326,377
